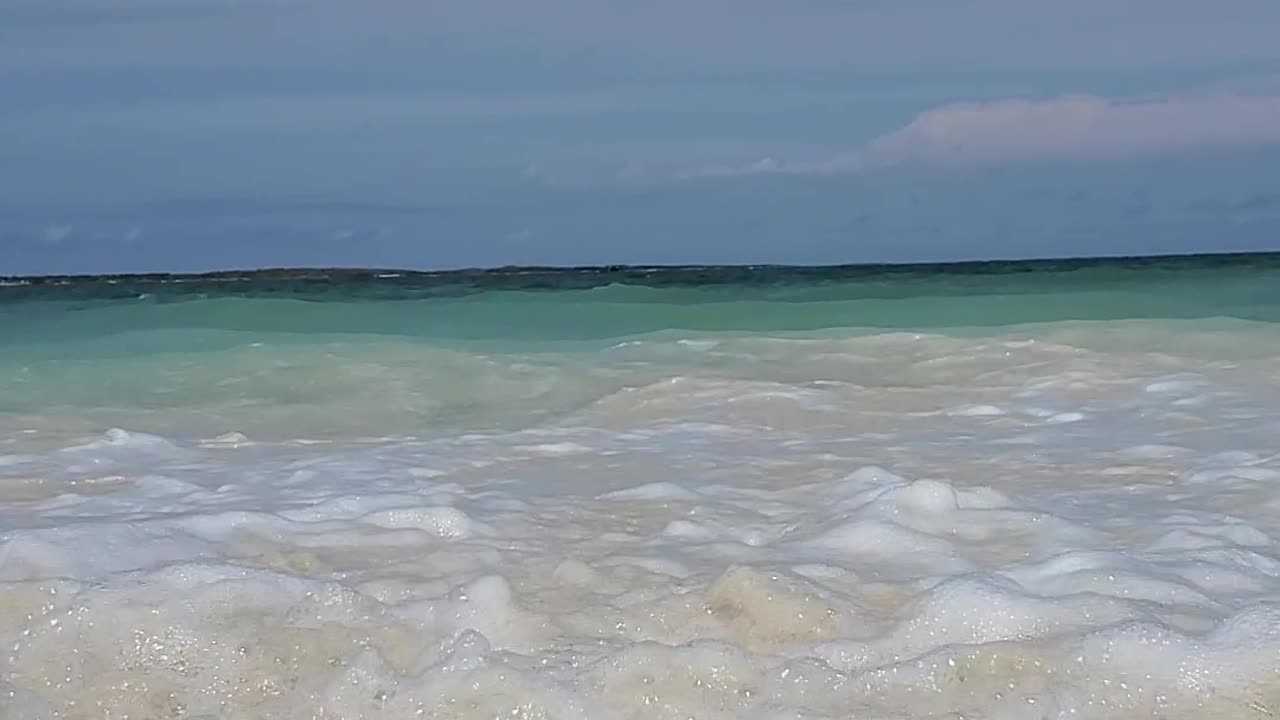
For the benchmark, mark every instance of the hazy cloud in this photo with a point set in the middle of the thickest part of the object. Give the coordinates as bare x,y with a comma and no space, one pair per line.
291,127
238,206
1081,125
763,34
808,33
55,234
1073,126
43,16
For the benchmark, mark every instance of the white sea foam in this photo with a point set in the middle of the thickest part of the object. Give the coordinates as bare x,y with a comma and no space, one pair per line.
941,527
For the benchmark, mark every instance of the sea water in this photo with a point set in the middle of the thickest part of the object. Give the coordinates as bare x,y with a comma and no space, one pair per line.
998,491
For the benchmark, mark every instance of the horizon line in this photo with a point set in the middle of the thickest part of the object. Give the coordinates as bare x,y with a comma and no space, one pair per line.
390,273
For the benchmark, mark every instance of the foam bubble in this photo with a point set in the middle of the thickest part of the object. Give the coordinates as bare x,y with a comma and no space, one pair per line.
445,522
737,528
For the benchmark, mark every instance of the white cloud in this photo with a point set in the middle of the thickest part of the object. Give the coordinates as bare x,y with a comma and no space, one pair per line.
1072,126
1082,125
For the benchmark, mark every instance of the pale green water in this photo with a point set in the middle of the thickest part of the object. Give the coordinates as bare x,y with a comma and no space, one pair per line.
532,306
336,351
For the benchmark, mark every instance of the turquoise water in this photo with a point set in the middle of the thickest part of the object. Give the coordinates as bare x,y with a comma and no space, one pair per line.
593,304
397,351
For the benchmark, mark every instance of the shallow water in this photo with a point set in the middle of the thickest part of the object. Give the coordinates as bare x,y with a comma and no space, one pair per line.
1032,493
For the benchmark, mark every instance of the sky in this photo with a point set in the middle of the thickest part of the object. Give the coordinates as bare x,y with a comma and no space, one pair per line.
186,135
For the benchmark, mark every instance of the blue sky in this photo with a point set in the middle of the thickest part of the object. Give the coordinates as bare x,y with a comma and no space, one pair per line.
197,134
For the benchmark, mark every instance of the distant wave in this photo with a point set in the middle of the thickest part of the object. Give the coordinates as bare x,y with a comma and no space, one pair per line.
385,282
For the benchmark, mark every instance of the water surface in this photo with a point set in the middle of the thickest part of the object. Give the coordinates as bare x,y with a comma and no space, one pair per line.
1002,490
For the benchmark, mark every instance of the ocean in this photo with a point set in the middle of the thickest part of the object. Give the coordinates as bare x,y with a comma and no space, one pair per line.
995,490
